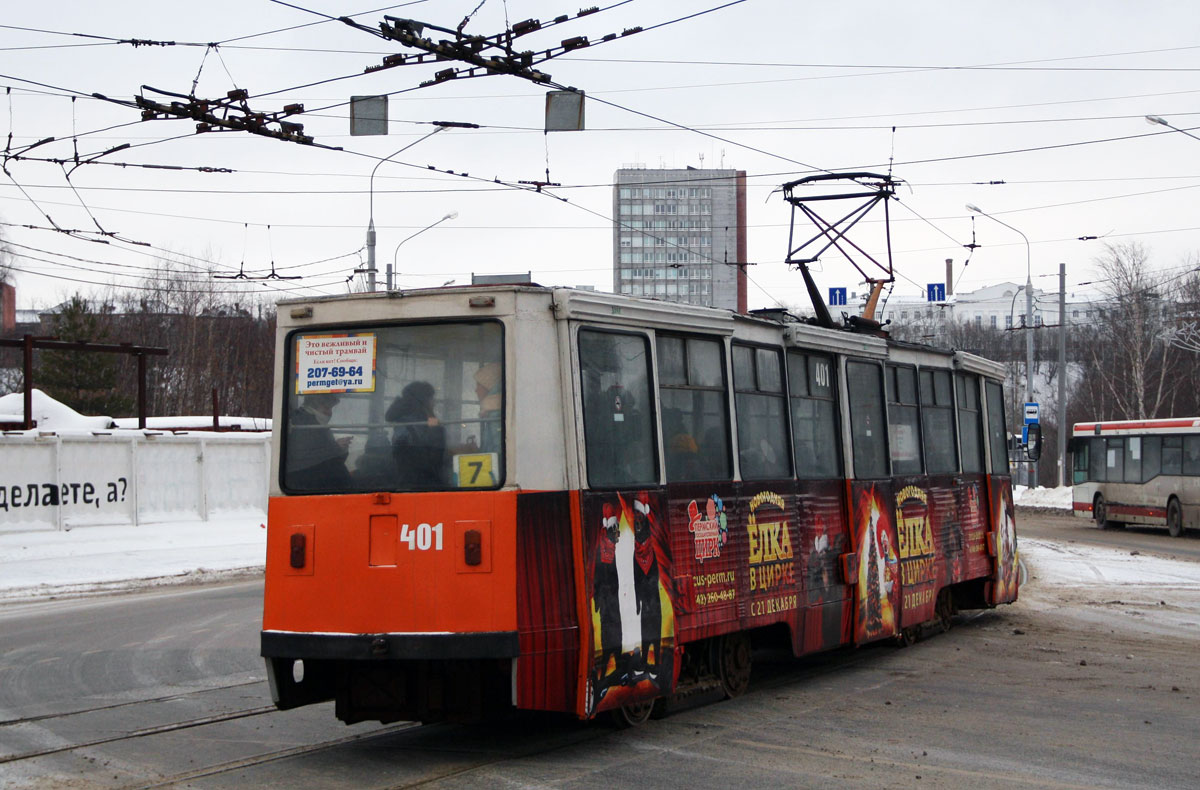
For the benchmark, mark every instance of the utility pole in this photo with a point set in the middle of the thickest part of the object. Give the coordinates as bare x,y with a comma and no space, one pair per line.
1062,375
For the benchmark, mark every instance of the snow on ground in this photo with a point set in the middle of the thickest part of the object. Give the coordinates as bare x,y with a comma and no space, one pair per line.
36,565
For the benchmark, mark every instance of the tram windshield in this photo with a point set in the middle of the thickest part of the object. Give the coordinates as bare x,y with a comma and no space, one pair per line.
394,408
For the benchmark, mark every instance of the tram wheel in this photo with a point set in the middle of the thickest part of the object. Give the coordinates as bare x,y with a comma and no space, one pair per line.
944,609
634,714
908,635
733,661
1174,518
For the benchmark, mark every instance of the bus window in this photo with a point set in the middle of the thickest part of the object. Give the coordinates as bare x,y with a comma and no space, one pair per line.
1096,462
937,422
1172,455
868,439
997,433
1151,457
970,423
618,427
818,448
1079,464
395,408
763,452
904,429
694,408
1133,459
1191,455
1114,460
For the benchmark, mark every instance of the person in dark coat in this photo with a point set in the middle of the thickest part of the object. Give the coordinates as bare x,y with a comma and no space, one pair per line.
315,460
418,440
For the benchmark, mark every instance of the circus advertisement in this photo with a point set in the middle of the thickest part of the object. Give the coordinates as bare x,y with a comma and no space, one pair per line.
1006,580
771,564
822,540
877,597
628,567
917,555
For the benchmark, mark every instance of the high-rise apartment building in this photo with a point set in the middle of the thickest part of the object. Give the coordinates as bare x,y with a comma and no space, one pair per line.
679,235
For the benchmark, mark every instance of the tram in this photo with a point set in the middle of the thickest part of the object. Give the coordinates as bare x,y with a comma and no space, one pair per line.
516,497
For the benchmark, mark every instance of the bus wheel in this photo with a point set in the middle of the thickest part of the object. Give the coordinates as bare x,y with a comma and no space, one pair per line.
634,714
1100,511
1174,518
732,662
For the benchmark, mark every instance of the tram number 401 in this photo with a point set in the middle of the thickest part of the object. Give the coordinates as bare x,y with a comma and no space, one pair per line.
423,538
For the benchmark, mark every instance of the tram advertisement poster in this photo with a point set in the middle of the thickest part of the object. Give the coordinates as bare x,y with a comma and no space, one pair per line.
877,580
335,363
1004,589
770,559
917,554
631,599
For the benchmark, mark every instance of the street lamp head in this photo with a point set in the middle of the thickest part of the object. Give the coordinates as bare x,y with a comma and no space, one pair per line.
973,207
1155,120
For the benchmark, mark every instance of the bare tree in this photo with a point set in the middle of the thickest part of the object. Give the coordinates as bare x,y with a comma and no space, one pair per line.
1129,366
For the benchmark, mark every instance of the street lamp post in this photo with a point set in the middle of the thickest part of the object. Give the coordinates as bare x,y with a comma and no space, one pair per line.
393,265
371,206
1028,315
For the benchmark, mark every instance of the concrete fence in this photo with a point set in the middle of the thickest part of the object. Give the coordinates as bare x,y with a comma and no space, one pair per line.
67,480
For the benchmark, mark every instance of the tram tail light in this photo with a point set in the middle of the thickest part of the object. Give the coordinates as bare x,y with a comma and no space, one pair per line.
473,547
299,550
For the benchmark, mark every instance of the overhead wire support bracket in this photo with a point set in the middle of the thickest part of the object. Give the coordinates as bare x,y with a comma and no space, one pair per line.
231,113
878,188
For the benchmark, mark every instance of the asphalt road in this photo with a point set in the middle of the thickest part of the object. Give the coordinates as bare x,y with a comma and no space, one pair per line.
165,689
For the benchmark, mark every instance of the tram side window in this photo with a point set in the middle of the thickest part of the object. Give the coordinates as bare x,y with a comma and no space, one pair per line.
763,452
818,446
997,433
618,426
1191,455
1151,457
694,408
868,437
1172,455
970,423
937,422
904,426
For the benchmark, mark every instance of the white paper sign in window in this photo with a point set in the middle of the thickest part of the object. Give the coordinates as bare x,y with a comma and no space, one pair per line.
335,363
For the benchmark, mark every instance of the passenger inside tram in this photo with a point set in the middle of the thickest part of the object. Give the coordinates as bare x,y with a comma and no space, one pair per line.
418,440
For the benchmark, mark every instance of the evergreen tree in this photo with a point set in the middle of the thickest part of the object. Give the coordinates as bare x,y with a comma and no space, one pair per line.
85,381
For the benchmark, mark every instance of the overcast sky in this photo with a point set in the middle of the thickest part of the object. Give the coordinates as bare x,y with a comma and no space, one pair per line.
1048,98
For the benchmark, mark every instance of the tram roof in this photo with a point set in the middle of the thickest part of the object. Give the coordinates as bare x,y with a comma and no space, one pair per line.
621,310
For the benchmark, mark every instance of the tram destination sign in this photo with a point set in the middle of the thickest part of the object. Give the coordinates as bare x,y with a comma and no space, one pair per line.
335,363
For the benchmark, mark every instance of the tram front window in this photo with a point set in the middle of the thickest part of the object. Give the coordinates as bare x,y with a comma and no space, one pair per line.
396,408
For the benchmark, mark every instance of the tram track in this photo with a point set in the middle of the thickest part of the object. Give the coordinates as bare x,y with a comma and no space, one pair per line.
141,733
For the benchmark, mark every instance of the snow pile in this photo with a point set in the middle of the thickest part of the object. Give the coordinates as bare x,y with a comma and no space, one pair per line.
102,559
1052,498
49,414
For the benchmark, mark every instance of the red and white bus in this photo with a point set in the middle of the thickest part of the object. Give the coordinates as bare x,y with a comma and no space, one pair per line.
1138,472
487,498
